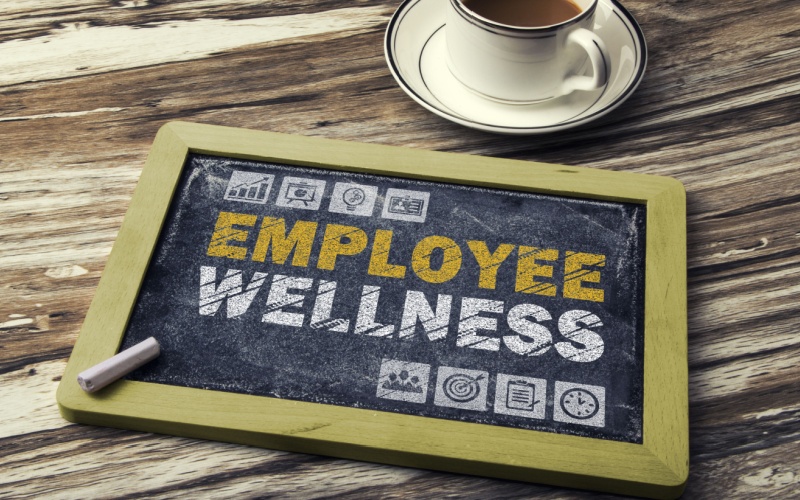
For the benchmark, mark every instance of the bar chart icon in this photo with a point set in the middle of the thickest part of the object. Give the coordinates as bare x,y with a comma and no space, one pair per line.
249,187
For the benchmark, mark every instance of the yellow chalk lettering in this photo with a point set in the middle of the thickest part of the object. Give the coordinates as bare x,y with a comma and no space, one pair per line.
300,239
224,232
489,262
528,268
333,244
379,260
575,274
421,259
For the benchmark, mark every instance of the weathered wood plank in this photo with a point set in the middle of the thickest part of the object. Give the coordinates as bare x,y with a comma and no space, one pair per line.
34,389
84,49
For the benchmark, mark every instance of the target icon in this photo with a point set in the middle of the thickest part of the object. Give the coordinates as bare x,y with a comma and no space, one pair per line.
461,388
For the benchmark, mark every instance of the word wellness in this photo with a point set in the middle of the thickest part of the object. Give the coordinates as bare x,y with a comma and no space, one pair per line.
287,294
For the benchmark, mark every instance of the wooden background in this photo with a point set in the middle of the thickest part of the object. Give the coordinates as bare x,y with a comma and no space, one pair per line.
84,85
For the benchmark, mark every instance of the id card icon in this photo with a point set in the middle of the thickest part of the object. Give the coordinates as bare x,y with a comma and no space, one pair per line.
402,204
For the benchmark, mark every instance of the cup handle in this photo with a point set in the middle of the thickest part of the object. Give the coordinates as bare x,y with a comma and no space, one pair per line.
598,55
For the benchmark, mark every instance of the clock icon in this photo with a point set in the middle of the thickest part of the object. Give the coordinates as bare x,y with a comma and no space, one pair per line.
579,403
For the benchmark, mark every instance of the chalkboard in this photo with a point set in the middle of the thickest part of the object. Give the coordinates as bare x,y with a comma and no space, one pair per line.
442,289
432,299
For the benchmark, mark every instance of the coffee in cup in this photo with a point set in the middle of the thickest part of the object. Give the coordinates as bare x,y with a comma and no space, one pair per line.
523,51
524,13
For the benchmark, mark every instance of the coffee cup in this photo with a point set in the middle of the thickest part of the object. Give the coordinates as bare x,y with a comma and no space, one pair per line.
524,51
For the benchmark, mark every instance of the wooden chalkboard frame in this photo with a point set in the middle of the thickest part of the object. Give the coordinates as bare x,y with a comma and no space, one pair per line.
656,468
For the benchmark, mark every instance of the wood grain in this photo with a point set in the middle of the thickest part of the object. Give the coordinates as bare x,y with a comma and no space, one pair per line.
717,110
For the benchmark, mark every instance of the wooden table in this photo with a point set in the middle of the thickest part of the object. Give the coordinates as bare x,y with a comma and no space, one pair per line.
85,85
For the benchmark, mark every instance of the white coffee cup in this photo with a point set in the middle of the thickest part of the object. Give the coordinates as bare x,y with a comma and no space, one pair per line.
520,65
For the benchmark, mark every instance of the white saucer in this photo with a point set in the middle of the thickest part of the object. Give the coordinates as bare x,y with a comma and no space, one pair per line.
415,52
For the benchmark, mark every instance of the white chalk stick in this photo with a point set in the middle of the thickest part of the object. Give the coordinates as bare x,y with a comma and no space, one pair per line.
100,375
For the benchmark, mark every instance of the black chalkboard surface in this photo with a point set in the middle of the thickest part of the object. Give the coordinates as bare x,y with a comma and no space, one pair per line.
441,300
477,315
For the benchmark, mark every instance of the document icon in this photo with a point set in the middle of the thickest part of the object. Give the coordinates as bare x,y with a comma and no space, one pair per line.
520,395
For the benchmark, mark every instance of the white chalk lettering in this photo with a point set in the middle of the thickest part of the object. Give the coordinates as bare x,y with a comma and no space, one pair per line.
365,322
323,308
524,331
569,324
539,338
471,322
418,309
238,300
279,297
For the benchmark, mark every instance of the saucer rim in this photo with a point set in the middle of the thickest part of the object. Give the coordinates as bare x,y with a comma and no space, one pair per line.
452,115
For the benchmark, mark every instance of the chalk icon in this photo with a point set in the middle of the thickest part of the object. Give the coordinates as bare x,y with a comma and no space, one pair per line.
249,187
402,204
579,404
300,192
353,199
403,381
461,388
520,396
